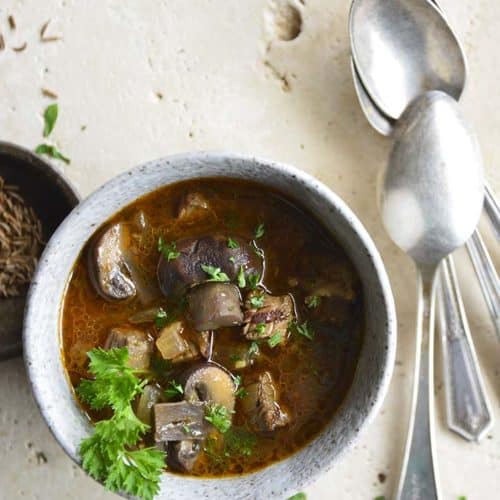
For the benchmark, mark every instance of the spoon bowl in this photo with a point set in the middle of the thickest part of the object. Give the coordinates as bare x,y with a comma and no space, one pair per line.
402,48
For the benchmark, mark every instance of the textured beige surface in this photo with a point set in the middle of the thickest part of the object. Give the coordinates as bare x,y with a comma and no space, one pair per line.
227,84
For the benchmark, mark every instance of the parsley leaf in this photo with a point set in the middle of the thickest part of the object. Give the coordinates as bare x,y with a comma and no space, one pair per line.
215,273
232,259
168,250
241,393
50,117
298,496
259,231
242,282
52,151
257,301
260,328
161,318
253,279
174,390
275,339
253,350
232,243
312,301
106,454
302,329
219,416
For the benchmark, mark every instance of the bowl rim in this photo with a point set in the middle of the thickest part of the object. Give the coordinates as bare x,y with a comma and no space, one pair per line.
309,182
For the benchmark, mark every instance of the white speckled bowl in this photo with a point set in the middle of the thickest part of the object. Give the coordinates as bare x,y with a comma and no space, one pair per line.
42,333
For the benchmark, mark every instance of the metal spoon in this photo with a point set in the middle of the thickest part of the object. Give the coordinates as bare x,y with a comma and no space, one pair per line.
402,48
431,196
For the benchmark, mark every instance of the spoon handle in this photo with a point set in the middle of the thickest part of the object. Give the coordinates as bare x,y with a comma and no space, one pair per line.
487,276
467,407
418,480
492,210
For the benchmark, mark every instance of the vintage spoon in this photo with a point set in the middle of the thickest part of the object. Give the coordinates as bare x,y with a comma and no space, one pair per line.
468,410
431,196
402,48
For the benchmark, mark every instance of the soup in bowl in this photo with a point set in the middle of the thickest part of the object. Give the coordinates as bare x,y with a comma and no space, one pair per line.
213,325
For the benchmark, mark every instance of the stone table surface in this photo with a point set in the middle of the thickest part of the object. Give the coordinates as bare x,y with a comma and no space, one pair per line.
137,80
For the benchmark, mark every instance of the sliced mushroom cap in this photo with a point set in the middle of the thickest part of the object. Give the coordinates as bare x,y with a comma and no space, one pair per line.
214,305
138,344
109,272
179,421
210,383
182,455
177,275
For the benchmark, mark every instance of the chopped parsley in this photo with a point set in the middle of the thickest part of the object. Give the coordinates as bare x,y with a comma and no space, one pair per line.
260,328
312,301
257,301
110,455
52,151
50,118
232,244
168,250
275,339
253,279
302,329
219,416
242,282
240,391
174,390
215,273
259,231
232,259
161,318
253,350
186,429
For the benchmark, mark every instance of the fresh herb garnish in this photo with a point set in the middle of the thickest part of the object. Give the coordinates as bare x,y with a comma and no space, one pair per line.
260,328
258,251
107,455
52,151
253,350
232,259
232,243
168,250
215,273
242,282
253,279
275,339
241,393
174,390
302,329
219,416
50,117
298,496
235,442
312,301
257,301
161,318
186,429
259,231
237,379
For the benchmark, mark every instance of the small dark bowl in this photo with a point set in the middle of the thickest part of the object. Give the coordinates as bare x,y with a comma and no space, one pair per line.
52,198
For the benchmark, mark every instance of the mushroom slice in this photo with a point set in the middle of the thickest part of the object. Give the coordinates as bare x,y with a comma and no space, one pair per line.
151,395
214,305
173,346
145,316
210,383
177,275
182,455
261,404
270,316
138,344
179,421
109,272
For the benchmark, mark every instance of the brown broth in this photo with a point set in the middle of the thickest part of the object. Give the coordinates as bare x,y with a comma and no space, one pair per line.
313,376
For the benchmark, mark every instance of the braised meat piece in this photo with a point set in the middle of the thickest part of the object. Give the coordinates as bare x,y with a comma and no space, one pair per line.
261,404
266,315
138,344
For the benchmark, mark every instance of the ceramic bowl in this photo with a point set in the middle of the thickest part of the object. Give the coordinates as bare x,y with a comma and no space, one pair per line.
52,197
42,335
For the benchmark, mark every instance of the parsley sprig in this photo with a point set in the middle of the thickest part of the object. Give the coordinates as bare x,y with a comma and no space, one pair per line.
214,273
108,454
219,416
168,250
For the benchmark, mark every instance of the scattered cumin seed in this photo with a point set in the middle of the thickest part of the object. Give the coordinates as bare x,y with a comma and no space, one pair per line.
12,22
20,48
44,38
49,93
